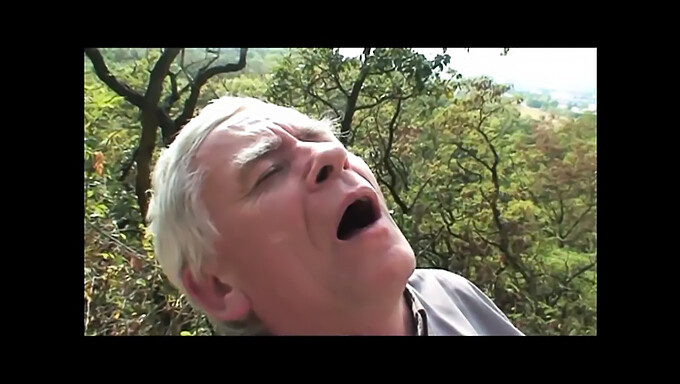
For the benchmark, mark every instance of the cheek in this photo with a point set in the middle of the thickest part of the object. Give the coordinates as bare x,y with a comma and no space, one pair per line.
275,218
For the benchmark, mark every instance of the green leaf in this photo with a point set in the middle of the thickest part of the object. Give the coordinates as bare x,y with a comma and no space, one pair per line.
185,333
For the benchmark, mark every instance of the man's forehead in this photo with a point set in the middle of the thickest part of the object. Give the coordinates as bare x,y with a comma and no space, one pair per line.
228,139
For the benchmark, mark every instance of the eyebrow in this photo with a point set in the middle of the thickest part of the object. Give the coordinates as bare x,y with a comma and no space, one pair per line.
312,132
248,156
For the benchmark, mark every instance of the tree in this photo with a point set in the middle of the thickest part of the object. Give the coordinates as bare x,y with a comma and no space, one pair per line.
322,81
156,110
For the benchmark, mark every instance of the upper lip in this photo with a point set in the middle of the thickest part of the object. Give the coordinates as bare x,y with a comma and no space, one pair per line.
356,194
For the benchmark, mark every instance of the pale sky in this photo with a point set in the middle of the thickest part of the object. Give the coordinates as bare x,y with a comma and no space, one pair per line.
560,69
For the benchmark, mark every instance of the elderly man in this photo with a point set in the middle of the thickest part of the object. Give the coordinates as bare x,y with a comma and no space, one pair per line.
271,227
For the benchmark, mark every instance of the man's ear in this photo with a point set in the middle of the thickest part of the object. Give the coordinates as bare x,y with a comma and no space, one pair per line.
220,300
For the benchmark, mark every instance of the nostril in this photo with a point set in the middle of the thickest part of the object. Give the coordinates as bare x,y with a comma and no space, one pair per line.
323,173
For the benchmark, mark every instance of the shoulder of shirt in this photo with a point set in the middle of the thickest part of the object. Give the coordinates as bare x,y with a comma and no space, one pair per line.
439,290
457,287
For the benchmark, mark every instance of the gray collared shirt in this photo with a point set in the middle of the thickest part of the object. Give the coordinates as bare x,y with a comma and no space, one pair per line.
444,303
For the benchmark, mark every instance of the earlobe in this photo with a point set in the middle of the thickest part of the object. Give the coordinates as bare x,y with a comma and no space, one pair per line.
218,299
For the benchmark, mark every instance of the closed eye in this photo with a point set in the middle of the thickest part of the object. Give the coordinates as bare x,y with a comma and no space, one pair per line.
269,172
313,134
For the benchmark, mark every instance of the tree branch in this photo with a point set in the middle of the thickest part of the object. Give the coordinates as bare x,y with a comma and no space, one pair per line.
346,125
486,138
337,81
201,79
401,170
103,73
387,162
459,145
566,282
132,252
175,94
484,239
449,223
394,193
128,165
420,190
158,73
379,101
577,221
308,90
467,170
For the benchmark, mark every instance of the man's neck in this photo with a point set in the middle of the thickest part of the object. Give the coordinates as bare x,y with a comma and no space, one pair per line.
391,320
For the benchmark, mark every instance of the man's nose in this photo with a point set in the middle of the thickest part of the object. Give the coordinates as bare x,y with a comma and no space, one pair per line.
327,161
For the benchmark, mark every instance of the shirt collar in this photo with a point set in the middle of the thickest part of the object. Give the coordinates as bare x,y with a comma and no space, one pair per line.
419,314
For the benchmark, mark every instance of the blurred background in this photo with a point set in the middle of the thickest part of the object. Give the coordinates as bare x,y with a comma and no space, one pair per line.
486,155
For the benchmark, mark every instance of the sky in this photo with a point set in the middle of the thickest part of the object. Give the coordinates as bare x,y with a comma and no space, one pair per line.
559,69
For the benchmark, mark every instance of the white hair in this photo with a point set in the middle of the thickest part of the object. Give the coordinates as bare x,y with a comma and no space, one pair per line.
179,222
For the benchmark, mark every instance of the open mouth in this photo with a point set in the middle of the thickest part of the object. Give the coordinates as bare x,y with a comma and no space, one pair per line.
359,215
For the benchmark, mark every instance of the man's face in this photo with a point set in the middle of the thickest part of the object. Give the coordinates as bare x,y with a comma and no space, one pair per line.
303,227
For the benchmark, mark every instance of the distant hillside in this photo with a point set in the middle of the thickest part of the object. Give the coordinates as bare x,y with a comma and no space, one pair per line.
541,115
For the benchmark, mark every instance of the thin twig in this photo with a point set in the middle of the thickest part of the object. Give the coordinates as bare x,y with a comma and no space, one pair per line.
132,251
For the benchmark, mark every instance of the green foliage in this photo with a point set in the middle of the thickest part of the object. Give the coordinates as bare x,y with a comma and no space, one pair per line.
506,201
125,290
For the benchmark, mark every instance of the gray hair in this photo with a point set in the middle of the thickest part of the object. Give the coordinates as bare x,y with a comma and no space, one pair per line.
177,219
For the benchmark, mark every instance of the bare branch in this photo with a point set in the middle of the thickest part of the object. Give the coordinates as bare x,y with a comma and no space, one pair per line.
201,79
394,193
431,243
132,252
103,73
346,125
366,52
185,70
160,70
391,126
459,145
401,170
337,81
209,63
128,165
576,274
174,93
420,190
561,202
577,221
484,239
379,101
387,162
486,138
467,170
308,90
449,223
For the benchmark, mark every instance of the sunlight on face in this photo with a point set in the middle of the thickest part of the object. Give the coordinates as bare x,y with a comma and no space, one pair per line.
278,194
